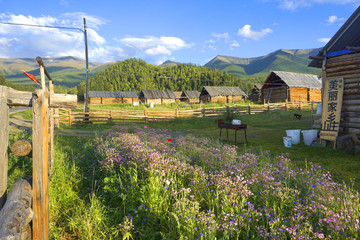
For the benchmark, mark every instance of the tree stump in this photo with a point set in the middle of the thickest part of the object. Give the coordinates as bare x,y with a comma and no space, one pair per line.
22,148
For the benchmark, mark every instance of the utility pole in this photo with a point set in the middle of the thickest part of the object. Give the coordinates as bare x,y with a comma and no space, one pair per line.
86,107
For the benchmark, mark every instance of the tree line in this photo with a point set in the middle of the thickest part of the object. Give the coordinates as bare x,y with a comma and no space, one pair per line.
134,75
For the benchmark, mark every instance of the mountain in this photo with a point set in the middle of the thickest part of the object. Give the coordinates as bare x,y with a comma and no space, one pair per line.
281,60
68,71
169,63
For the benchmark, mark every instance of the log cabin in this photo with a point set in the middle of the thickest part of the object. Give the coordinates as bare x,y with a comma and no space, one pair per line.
104,97
190,96
177,96
283,86
340,60
157,96
255,95
221,94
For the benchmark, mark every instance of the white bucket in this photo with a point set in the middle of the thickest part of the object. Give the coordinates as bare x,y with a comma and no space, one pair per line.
309,136
135,104
294,134
318,108
151,104
287,141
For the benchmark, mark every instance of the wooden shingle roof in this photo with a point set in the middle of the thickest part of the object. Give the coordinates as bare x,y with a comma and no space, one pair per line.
158,94
295,80
108,94
223,91
190,94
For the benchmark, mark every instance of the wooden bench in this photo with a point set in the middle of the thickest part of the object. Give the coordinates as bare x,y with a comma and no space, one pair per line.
228,126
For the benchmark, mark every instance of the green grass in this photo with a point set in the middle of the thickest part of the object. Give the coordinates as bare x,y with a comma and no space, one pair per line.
266,131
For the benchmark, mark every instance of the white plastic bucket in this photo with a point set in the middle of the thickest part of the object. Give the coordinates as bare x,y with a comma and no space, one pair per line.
287,141
318,108
151,104
135,104
309,136
294,134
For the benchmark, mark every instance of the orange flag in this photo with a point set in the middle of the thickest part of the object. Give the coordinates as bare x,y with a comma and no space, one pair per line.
32,77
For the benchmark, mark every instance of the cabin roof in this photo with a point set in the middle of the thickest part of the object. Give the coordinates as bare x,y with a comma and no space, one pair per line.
295,80
347,35
158,94
190,94
108,94
223,91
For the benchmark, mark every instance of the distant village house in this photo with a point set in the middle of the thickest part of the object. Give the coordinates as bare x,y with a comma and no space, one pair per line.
157,96
255,95
190,96
103,97
221,94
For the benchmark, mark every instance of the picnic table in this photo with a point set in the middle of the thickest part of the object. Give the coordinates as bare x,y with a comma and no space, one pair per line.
227,126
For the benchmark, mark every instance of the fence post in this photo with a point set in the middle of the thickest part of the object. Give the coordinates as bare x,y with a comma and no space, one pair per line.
4,142
69,112
300,105
51,129
40,179
249,109
110,115
268,106
145,115
203,112
177,112
286,104
57,118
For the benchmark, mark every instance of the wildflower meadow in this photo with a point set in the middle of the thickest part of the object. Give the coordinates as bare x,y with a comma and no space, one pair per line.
163,184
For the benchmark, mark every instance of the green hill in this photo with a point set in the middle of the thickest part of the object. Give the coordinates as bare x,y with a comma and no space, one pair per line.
67,71
136,75
280,60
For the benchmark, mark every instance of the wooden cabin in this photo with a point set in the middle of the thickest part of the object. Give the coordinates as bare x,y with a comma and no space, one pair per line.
255,95
339,60
103,97
157,96
293,87
190,96
177,96
221,94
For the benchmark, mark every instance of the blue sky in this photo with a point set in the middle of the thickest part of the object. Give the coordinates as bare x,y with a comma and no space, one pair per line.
184,31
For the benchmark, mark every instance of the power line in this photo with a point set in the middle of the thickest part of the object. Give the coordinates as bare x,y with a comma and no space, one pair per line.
42,26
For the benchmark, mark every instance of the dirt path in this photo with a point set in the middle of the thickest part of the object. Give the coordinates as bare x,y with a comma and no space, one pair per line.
18,124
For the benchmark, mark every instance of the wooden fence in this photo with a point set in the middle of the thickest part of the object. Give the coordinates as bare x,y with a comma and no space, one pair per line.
69,117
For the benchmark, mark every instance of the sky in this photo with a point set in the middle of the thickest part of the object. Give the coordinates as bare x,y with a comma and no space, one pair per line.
187,31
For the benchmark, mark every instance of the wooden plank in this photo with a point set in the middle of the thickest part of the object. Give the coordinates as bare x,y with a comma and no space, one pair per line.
17,213
342,73
23,98
4,142
342,63
40,221
51,130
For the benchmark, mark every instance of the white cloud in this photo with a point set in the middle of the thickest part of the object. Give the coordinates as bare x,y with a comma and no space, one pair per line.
64,3
220,35
246,32
25,41
234,44
323,40
154,45
332,19
294,4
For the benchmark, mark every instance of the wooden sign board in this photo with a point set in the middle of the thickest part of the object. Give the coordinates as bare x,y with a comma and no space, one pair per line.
331,109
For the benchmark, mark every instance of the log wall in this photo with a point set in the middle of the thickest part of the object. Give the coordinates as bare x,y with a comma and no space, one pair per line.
298,94
277,94
348,66
314,95
95,100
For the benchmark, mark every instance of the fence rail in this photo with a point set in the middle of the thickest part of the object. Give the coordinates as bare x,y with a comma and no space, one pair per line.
68,117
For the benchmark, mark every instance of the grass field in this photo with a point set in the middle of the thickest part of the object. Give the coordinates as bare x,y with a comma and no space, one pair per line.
90,198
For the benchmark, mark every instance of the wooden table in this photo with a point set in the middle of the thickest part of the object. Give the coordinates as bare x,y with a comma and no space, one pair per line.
228,126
